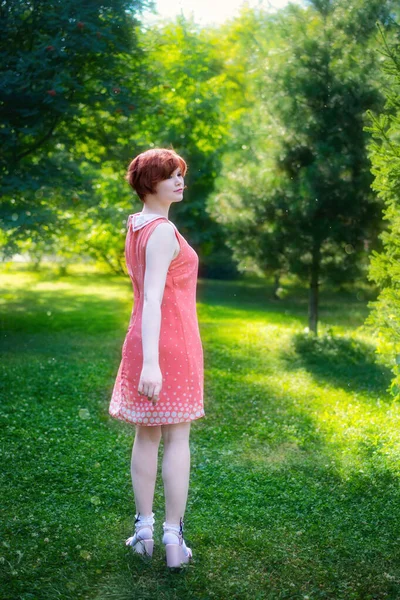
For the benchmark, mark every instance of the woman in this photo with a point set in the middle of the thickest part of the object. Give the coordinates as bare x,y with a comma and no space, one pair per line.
159,385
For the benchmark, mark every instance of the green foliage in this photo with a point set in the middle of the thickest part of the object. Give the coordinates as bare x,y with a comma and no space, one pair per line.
294,191
332,349
123,89
61,95
385,265
189,88
253,106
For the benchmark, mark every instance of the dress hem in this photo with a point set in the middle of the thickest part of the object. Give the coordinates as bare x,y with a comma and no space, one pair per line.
119,417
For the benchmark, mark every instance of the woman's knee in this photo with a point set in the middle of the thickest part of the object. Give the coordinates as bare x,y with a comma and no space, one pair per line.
146,434
176,432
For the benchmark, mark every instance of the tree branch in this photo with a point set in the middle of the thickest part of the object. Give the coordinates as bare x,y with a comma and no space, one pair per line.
38,143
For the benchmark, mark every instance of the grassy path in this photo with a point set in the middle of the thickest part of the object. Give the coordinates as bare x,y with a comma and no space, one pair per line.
295,470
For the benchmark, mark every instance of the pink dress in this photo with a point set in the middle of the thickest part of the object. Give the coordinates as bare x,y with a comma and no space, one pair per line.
180,347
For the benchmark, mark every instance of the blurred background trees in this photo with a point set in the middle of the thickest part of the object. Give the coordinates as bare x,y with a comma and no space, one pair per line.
296,188
270,110
63,83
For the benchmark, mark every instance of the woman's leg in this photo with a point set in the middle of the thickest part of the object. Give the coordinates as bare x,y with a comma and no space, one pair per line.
176,469
144,466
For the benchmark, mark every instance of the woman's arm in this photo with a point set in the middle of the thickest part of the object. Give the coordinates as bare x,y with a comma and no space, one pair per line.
160,249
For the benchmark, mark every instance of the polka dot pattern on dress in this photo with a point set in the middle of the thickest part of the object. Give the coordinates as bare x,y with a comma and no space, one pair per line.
180,347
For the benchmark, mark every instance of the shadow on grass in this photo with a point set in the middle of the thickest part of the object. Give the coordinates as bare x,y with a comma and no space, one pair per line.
342,361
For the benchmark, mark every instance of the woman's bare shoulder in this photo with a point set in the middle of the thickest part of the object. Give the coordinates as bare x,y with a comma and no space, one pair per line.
163,235
163,229
163,239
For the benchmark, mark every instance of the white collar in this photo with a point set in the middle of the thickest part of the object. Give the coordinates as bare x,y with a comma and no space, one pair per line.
139,220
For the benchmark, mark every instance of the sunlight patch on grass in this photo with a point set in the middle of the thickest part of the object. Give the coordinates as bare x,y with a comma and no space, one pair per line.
23,281
352,430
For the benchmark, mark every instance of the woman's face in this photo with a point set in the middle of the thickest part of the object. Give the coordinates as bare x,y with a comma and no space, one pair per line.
171,189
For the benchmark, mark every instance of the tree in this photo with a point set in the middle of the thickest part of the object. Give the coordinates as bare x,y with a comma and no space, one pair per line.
295,192
62,63
166,88
384,150
186,93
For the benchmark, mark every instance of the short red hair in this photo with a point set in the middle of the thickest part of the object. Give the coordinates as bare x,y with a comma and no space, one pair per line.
152,166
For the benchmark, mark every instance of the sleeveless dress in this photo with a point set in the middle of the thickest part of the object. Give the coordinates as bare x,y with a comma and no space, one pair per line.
180,347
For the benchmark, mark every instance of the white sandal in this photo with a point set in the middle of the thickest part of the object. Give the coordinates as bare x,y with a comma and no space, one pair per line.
142,541
177,553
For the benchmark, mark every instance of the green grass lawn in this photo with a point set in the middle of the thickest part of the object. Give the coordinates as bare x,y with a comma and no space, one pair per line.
295,469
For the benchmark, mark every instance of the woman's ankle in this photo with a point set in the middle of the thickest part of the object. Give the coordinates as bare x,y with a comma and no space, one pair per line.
144,523
173,532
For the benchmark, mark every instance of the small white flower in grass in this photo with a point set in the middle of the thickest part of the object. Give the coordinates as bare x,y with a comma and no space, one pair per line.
84,413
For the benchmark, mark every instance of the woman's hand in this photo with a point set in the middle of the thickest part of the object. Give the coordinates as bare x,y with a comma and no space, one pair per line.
150,382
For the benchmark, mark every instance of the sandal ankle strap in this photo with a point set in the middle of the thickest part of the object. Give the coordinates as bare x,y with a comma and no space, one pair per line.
174,528
146,521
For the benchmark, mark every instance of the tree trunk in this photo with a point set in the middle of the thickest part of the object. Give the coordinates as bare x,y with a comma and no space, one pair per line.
36,262
109,262
314,289
277,277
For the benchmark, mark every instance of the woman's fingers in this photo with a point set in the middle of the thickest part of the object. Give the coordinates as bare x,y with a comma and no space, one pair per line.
143,388
150,382
150,390
146,390
155,395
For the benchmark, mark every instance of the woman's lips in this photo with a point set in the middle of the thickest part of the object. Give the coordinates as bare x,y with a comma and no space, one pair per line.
178,191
